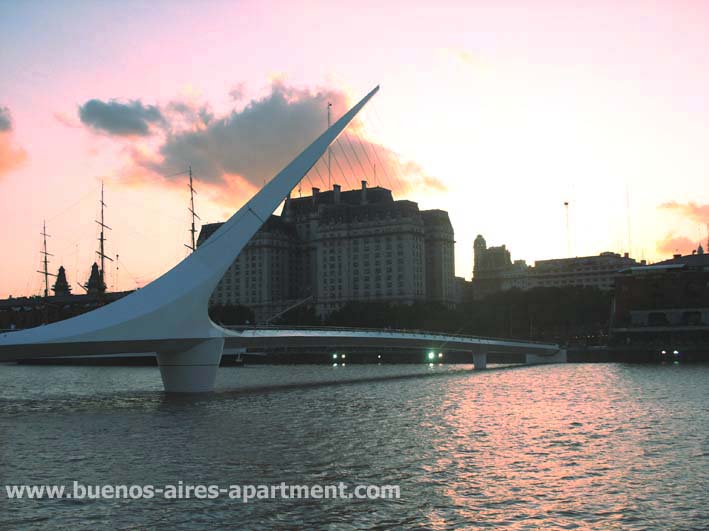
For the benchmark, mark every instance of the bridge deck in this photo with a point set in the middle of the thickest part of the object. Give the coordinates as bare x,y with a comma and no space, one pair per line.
340,337
295,337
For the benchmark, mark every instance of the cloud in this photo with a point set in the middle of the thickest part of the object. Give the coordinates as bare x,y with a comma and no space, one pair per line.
434,183
251,145
67,120
5,119
692,212
696,213
187,115
120,119
672,244
254,143
11,155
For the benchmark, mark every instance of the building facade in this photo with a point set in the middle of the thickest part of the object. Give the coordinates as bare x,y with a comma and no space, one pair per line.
664,306
494,270
336,247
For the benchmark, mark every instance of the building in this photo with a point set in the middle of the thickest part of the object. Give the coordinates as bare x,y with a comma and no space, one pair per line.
463,290
440,257
583,271
664,306
336,247
495,271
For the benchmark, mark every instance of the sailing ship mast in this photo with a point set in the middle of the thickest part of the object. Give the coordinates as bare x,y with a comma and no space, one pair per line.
193,230
102,241
45,261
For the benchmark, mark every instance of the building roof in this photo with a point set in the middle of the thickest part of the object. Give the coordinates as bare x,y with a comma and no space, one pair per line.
690,260
303,205
437,218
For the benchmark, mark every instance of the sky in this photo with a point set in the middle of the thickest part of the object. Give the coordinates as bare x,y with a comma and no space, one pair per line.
496,111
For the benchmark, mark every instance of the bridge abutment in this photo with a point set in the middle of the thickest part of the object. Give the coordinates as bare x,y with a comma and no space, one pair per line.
193,370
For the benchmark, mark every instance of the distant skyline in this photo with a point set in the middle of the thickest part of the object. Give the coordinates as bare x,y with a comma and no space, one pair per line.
496,111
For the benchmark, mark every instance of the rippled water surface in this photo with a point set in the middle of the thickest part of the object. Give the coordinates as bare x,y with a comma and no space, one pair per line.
558,447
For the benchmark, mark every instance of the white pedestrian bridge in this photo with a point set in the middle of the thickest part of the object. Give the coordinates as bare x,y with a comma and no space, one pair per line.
169,316
339,338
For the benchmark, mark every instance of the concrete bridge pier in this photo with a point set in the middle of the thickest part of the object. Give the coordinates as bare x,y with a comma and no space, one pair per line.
193,370
480,359
535,359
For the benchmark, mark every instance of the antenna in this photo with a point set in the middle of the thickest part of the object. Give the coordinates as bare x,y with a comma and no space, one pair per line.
568,233
193,246
329,150
45,261
102,241
627,212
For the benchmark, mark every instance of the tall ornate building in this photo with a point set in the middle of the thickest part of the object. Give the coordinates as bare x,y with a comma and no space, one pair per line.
342,246
493,269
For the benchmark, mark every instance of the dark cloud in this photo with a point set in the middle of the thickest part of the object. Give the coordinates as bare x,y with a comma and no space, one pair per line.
188,115
277,126
259,140
5,119
121,119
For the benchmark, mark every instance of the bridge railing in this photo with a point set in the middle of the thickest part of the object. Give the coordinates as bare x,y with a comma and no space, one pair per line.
392,331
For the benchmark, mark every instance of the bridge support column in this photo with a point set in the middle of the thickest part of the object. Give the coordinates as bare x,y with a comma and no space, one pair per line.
193,370
558,357
480,360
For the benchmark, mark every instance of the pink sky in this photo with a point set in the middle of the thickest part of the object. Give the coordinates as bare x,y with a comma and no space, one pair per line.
495,111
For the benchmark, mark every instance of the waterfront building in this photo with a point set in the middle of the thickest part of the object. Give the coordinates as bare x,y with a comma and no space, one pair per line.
664,305
583,271
336,247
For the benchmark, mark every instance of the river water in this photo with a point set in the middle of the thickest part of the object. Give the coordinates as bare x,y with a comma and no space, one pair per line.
593,446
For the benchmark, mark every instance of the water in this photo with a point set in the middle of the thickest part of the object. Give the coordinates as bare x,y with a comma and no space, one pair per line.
598,446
